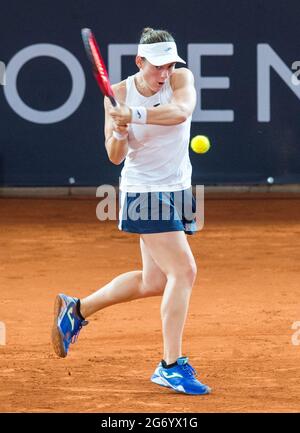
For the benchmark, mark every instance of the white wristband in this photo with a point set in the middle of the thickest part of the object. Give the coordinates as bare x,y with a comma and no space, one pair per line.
138,115
119,136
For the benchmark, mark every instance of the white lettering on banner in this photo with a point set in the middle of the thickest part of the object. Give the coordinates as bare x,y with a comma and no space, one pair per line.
296,75
195,54
115,53
267,58
51,116
2,74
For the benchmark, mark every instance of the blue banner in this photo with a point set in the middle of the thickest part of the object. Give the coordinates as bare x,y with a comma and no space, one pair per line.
245,57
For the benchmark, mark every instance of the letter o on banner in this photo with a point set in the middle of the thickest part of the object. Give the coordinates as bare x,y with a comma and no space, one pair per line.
51,116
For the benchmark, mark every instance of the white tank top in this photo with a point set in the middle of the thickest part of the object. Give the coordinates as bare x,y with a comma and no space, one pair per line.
158,156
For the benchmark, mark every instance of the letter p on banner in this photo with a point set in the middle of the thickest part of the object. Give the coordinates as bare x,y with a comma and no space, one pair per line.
2,334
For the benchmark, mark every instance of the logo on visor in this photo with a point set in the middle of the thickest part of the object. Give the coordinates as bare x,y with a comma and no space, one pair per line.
168,49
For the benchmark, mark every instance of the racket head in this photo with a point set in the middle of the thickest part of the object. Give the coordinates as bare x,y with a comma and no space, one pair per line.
98,65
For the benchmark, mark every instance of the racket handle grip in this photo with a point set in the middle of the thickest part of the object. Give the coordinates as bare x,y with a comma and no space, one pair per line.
113,101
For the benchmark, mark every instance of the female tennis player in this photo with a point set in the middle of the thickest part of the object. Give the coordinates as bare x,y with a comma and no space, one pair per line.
150,130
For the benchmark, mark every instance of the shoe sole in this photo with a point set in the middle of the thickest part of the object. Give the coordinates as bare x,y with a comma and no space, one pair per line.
56,337
208,391
159,381
166,384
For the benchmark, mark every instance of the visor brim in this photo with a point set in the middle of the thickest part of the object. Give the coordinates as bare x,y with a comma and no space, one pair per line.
164,60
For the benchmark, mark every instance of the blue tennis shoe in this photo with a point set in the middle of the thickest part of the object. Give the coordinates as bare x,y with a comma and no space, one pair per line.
181,378
67,324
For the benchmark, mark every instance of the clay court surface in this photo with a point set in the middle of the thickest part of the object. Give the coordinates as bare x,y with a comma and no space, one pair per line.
238,333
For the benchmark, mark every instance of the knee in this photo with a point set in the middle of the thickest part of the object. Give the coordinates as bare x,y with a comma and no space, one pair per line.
154,285
185,273
189,272
193,271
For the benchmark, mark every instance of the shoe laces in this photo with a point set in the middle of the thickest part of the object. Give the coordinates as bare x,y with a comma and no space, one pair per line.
75,336
189,370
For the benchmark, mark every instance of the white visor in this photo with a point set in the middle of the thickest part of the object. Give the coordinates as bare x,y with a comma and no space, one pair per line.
160,53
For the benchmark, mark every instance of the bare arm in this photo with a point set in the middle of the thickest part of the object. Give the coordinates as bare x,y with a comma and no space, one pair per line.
182,104
177,111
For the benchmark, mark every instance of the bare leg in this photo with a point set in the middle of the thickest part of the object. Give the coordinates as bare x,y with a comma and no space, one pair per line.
126,287
171,250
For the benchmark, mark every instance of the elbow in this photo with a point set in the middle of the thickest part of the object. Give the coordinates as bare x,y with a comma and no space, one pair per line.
114,156
114,160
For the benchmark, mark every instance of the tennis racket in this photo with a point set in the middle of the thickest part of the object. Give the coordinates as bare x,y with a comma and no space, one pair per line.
98,65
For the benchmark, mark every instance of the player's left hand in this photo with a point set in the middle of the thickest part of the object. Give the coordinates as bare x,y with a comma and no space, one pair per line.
122,129
121,114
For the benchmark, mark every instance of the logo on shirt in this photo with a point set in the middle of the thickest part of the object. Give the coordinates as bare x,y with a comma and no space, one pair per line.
139,114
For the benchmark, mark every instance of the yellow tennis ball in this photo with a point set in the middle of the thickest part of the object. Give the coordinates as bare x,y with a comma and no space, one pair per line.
200,144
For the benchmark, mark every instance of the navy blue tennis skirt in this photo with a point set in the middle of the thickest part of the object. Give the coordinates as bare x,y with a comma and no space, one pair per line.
158,212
